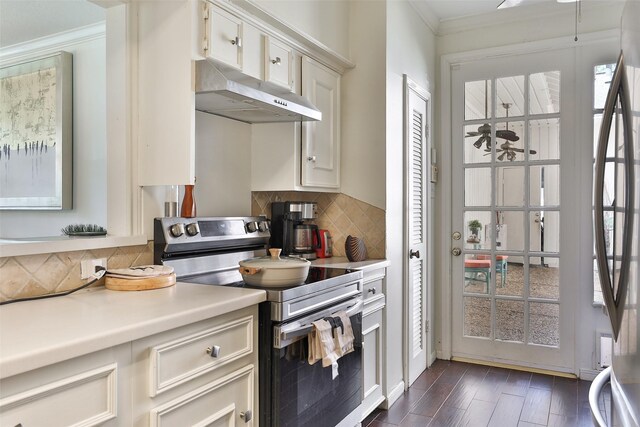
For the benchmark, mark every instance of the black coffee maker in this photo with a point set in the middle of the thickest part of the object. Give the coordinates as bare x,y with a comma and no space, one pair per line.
292,229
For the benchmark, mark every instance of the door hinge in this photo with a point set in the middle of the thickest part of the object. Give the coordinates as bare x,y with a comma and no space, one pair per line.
205,15
426,326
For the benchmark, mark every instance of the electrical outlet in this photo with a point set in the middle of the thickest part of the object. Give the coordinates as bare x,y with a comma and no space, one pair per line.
88,266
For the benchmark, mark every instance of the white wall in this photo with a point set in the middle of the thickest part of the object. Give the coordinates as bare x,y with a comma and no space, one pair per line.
89,151
223,166
223,172
323,20
363,106
411,49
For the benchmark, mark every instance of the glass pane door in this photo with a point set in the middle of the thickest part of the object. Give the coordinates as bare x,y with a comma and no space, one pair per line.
507,297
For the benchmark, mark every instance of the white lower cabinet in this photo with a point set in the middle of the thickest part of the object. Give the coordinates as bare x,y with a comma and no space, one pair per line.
85,391
227,401
203,374
372,338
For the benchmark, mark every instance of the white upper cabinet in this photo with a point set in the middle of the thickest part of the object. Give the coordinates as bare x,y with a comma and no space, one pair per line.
278,63
253,51
301,156
225,37
321,140
166,101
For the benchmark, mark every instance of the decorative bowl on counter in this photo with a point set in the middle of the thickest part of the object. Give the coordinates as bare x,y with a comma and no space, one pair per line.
274,270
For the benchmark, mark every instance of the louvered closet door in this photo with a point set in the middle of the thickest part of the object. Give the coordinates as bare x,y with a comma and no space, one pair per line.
416,161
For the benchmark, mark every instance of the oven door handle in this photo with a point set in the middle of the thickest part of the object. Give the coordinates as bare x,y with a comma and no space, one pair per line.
285,334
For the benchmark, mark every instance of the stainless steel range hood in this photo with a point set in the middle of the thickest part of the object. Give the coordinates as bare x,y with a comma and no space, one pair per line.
229,93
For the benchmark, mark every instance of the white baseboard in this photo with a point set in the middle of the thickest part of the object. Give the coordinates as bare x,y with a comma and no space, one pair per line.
588,374
440,355
432,358
393,395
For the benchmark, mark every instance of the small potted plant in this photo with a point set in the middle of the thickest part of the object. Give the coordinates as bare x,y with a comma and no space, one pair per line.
474,226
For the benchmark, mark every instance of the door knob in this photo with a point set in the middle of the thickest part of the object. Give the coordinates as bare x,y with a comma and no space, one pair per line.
414,254
456,251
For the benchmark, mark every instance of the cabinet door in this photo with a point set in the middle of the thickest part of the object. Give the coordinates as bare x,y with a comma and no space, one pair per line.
253,51
321,140
372,361
165,110
225,38
226,402
278,63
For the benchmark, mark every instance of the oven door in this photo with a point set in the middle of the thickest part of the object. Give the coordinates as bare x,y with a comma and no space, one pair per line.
299,394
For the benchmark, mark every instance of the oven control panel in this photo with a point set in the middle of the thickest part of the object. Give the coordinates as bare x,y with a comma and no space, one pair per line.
210,229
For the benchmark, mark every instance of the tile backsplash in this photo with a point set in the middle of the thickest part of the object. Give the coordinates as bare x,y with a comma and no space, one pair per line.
340,214
33,275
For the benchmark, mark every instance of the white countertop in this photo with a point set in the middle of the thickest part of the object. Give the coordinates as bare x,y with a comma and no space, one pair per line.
42,332
343,262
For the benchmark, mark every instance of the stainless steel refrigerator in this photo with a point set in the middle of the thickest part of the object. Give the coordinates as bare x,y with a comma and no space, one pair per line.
617,227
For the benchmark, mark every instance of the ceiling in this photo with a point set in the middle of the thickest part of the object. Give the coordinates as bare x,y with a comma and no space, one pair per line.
446,10
23,20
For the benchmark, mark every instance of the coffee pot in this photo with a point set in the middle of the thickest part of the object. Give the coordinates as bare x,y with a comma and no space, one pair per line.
292,229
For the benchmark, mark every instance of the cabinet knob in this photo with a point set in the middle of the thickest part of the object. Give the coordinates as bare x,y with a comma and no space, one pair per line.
311,159
414,254
372,291
276,61
213,351
246,416
237,42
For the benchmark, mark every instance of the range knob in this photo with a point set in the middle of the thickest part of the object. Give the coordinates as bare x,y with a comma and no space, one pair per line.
263,226
193,229
177,230
252,227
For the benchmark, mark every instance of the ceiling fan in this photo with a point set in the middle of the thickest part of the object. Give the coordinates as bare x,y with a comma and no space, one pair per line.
484,132
507,148
509,151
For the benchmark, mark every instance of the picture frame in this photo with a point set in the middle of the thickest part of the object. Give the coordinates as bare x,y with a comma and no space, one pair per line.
36,134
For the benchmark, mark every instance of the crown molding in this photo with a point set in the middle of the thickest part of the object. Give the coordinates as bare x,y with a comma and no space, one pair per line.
520,14
426,14
45,45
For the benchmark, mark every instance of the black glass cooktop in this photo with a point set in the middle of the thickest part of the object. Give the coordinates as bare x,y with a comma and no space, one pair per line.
317,279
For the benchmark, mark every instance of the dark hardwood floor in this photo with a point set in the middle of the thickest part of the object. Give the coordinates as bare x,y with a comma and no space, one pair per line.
462,394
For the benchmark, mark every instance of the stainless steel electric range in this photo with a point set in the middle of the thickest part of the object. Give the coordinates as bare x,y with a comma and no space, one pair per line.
292,393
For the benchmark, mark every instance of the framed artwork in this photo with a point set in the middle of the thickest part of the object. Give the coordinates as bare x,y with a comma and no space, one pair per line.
36,126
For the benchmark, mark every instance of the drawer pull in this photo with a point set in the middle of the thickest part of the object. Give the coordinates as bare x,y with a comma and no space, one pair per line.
236,42
246,416
213,351
372,290
276,61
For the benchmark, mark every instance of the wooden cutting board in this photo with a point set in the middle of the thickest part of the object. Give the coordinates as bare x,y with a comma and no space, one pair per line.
141,284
